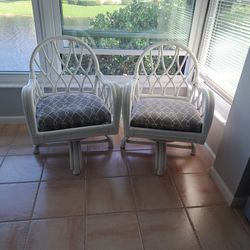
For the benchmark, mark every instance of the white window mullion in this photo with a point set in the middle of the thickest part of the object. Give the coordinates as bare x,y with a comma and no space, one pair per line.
37,19
208,28
197,25
49,14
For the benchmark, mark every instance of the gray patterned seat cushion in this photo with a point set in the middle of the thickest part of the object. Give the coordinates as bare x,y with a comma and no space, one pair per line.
168,114
64,111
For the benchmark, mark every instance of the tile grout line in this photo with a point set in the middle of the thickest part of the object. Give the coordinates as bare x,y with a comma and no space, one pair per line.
85,191
41,218
42,163
33,208
134,199
207,206
186,212
6,154
21,154
118,212
124,160
137,216
15,136
238,217
94,214
85,204
4,157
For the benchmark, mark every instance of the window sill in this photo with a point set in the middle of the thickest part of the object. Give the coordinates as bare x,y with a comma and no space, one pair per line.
217,89
222,106
13,79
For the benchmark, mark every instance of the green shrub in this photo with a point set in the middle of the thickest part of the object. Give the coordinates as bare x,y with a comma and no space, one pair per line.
87,3
118,65
125,2
135,17
138,17
80,2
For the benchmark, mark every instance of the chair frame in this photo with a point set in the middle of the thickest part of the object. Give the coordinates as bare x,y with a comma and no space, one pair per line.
109,92
198,95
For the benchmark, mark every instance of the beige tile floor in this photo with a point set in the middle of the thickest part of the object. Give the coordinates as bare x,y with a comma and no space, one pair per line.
116,203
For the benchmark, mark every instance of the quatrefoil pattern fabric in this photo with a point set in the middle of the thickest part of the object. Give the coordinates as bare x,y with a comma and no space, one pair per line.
167,114
64,111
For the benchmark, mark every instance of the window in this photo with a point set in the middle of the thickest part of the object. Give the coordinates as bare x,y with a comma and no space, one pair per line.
225,43
17,35
120,29
117,29
128,24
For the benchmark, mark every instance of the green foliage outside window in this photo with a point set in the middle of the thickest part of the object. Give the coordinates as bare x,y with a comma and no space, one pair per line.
128,28
138,18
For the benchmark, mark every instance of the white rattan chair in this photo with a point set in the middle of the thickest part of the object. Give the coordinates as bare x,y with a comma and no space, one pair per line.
67,98
166,102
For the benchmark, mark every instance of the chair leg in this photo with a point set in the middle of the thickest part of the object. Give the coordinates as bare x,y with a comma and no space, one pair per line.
123,142
193,150
110,142
160,158
75,156
36,149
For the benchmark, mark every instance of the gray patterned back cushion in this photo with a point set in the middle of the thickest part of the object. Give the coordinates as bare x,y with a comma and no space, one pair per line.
169,114
63,111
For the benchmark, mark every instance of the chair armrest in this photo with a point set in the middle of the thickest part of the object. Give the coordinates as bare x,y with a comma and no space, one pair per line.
111,94
31,93
128,98
205,105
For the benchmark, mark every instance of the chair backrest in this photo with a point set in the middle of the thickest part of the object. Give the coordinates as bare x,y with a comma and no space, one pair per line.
166,69
64,64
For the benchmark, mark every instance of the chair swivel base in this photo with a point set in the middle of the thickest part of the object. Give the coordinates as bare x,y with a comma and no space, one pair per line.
75,153
160,158
160,151
75,156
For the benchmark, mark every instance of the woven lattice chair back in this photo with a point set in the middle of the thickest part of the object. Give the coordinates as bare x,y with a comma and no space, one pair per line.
166,69
64,64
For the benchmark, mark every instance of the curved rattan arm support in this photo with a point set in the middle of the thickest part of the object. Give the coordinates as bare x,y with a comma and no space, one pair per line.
209,103
112,96
30,96
127,103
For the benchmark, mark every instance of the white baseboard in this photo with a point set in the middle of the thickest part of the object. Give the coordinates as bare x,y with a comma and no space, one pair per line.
12,119
210,150
239,201
226,193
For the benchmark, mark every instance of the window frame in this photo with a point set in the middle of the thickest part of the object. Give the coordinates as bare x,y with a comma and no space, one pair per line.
200,9
44,20
11,79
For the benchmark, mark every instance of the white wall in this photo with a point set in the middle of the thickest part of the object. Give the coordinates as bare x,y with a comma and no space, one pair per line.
234,149
10,102
215,134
